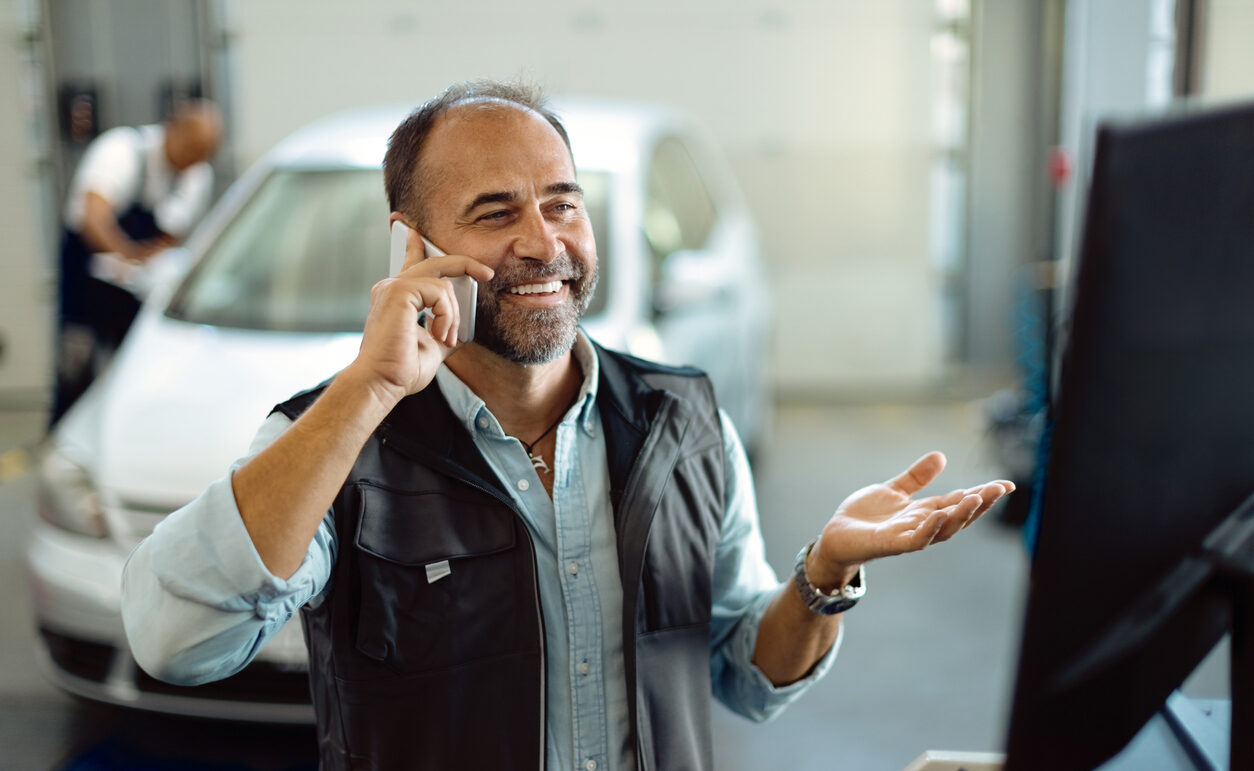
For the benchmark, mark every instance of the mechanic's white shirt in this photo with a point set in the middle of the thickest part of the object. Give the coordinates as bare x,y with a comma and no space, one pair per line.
111,168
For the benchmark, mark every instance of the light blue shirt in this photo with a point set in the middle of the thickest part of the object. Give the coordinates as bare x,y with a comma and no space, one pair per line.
218,605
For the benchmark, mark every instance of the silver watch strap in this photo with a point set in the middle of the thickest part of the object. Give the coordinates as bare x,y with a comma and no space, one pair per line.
838,601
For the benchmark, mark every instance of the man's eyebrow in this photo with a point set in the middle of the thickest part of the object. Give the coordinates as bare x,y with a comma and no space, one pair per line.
557,188
560,188
486,198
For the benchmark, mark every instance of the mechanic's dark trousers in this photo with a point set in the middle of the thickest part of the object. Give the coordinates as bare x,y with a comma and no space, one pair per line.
93,315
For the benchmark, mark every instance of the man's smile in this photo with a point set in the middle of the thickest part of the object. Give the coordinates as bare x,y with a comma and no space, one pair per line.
547,287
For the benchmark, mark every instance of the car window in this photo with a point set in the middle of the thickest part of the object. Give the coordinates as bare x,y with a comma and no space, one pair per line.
679,211
302,254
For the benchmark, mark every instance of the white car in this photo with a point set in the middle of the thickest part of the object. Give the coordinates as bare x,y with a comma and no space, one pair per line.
269,298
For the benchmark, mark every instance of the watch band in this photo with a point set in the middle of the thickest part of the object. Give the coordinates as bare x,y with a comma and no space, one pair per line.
816,600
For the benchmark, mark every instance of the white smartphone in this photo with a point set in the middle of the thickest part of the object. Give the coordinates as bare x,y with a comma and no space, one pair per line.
465,288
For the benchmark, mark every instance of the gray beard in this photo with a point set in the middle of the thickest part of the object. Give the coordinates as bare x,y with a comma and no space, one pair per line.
533,335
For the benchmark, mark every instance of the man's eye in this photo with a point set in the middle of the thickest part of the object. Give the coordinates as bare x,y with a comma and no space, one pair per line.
494,215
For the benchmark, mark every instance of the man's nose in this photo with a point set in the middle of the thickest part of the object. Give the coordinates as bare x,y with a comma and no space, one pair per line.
537,238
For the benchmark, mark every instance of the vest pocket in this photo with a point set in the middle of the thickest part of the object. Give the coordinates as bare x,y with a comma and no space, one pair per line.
439,580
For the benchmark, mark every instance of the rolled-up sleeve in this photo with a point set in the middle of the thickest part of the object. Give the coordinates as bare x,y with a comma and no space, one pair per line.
186,202
744,585
197,601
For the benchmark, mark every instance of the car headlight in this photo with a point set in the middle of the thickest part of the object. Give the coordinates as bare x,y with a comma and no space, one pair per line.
67,497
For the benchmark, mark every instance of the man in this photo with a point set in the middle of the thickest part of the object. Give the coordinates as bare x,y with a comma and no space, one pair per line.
137,192
520,552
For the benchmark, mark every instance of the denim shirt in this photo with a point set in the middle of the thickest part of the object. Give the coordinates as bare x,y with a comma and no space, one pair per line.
218,605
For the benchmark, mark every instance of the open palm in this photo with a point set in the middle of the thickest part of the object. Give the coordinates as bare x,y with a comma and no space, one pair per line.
884,519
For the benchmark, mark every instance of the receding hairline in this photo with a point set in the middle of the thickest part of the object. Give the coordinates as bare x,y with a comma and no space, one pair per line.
456,112
404,171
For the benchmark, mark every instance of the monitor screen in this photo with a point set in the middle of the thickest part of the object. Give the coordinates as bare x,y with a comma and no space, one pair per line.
1153,433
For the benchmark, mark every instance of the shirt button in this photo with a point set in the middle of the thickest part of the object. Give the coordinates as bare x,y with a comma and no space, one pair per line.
573,568
591,765
482,422
523,485
583,667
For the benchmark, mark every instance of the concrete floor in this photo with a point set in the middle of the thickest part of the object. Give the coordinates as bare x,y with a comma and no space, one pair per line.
927,663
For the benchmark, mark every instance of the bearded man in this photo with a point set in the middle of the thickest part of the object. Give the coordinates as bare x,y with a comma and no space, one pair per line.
525,551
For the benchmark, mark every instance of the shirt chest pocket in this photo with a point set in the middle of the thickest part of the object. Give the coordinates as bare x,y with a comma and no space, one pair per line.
442,580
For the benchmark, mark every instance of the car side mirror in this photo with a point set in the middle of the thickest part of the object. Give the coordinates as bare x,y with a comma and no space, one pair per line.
688,278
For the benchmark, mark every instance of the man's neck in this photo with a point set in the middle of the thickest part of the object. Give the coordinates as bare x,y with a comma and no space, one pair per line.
525,398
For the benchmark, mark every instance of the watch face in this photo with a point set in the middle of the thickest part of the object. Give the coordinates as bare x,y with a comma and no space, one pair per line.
834,606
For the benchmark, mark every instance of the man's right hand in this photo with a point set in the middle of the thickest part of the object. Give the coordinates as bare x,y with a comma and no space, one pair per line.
398,356
142,251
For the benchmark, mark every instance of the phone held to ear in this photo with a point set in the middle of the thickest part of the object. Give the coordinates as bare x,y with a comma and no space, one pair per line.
465,288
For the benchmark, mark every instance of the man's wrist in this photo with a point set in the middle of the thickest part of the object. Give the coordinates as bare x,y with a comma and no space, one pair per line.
826,602
828,576
382,397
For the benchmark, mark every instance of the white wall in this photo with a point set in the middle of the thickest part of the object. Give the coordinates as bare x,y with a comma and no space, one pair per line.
822,107
1007,156
1116,64
1228,50
25,270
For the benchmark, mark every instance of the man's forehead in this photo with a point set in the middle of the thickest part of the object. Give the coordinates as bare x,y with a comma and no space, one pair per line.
494,140
490,117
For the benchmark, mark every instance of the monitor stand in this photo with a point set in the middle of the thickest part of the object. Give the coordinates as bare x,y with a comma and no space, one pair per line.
1223,568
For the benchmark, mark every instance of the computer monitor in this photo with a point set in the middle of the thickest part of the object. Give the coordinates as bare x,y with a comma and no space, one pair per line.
1152,442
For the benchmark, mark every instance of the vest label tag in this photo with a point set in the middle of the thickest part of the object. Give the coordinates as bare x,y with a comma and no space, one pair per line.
437,570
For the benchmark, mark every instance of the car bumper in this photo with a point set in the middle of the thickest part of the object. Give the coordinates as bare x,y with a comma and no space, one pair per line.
76,589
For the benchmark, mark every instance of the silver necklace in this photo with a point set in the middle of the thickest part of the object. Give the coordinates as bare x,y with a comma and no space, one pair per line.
537,461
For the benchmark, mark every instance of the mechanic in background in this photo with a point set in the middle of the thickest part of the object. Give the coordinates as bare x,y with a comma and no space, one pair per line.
138,191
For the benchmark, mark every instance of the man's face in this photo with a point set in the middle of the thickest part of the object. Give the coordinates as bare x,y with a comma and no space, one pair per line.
191,140
502,190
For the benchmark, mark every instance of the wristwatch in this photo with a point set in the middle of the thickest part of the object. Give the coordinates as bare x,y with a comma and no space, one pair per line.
838,601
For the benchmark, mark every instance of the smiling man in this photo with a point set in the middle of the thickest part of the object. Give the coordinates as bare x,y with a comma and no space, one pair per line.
521,552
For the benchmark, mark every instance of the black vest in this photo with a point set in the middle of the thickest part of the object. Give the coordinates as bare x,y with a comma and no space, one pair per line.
408,674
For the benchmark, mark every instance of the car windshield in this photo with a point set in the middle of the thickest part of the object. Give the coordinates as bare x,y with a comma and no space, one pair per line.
304,250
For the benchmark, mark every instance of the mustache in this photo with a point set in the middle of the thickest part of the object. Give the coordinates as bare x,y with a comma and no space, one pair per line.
518,272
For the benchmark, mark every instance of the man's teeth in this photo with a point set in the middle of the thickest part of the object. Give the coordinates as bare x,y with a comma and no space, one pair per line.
549,286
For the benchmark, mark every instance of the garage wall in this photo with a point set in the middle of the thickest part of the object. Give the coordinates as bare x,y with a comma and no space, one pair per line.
1117,64
1228,50
1008,148
26,283
822,107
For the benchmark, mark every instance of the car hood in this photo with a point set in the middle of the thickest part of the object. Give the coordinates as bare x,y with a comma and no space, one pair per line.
182,401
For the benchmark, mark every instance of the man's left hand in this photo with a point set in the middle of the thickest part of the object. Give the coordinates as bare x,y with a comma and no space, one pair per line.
884,519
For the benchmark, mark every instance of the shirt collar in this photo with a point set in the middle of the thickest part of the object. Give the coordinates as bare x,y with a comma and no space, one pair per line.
467,405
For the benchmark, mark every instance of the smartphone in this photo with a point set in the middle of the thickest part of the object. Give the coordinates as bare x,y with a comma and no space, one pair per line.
465,288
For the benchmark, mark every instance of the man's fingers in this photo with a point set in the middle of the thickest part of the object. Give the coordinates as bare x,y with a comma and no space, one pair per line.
946,499
990,494
920,474
415,251
442,265
450,266
928,530
434,295
442,319
960,515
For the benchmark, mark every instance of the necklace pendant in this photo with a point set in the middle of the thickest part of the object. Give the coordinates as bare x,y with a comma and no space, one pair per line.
538,462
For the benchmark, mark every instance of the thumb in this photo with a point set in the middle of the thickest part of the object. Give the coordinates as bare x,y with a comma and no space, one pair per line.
920,474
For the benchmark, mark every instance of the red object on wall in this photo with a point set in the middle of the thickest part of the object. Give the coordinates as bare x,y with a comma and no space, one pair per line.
1059,167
